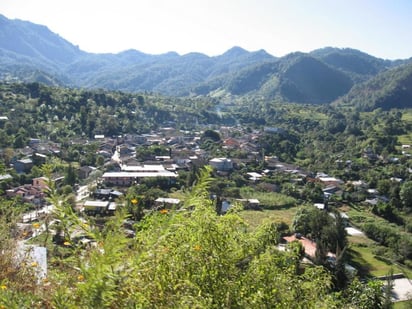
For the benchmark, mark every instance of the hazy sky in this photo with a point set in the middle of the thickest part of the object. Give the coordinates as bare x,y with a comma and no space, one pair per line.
382,28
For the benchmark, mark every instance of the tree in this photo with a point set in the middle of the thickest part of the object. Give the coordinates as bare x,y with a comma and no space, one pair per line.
365,296
100,160
405,194
70,177
387,291
210,135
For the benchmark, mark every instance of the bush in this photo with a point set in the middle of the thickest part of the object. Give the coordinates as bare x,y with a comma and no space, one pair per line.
178,259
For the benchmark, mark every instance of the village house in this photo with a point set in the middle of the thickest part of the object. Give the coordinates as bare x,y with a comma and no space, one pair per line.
39,158
166,202
135,139
107,194
221,164
308,245
131,174
31,194
97,207
23,165
253,176
327,180
85,171
231,143
245,203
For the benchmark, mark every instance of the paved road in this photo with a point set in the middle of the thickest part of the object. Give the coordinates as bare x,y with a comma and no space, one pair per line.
402,289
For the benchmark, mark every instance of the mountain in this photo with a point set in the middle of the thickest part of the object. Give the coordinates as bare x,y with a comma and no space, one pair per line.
26,48
297,77
28,41
30,52
360,66
389,89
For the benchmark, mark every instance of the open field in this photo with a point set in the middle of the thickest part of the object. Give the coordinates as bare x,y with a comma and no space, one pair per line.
363,258
254,218
403,305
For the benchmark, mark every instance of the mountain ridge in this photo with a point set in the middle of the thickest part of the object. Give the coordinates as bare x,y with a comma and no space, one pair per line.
31,52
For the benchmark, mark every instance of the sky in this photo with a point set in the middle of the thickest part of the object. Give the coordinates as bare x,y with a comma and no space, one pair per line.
382,28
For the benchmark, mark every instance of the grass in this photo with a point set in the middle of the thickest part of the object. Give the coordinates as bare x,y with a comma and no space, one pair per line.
406,139
255,218
363,258
368,263
407,304
362,248
407,116
270,200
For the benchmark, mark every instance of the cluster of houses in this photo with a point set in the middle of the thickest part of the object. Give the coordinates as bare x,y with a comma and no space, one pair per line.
34,193
184,150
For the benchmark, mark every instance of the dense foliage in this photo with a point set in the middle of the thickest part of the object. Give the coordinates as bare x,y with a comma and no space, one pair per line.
187,259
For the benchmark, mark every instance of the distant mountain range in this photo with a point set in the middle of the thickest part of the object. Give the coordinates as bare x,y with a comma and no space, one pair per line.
30,52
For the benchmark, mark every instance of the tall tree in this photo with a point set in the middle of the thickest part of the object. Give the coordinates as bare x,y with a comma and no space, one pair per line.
405,194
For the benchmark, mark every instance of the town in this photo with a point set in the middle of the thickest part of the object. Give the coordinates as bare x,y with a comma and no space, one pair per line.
314,183
166,159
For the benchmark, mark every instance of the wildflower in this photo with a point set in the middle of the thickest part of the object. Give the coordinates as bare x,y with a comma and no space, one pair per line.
36,225
34,264
3,287
164,211
24,234
134,201
197,247
2,307
80,278
67,243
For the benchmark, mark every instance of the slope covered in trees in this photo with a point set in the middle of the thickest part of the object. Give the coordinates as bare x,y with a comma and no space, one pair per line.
30,52
390,89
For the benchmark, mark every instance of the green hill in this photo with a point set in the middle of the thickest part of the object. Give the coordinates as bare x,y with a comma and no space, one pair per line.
390,89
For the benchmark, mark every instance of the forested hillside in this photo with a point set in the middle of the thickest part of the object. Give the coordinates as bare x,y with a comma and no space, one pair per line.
390,89
32,53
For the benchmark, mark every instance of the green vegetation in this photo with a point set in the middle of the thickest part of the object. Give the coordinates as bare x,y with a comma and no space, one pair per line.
254,218
269,200
178,259
196,257
367,260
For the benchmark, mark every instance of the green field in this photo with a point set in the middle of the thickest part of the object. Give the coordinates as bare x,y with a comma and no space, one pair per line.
407,304
254,218
363,258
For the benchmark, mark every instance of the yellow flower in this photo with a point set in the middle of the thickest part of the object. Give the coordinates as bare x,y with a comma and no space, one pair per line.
197,247
3,287
2,307
134,201
36,225
80,278
67,243
164,211
34,264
